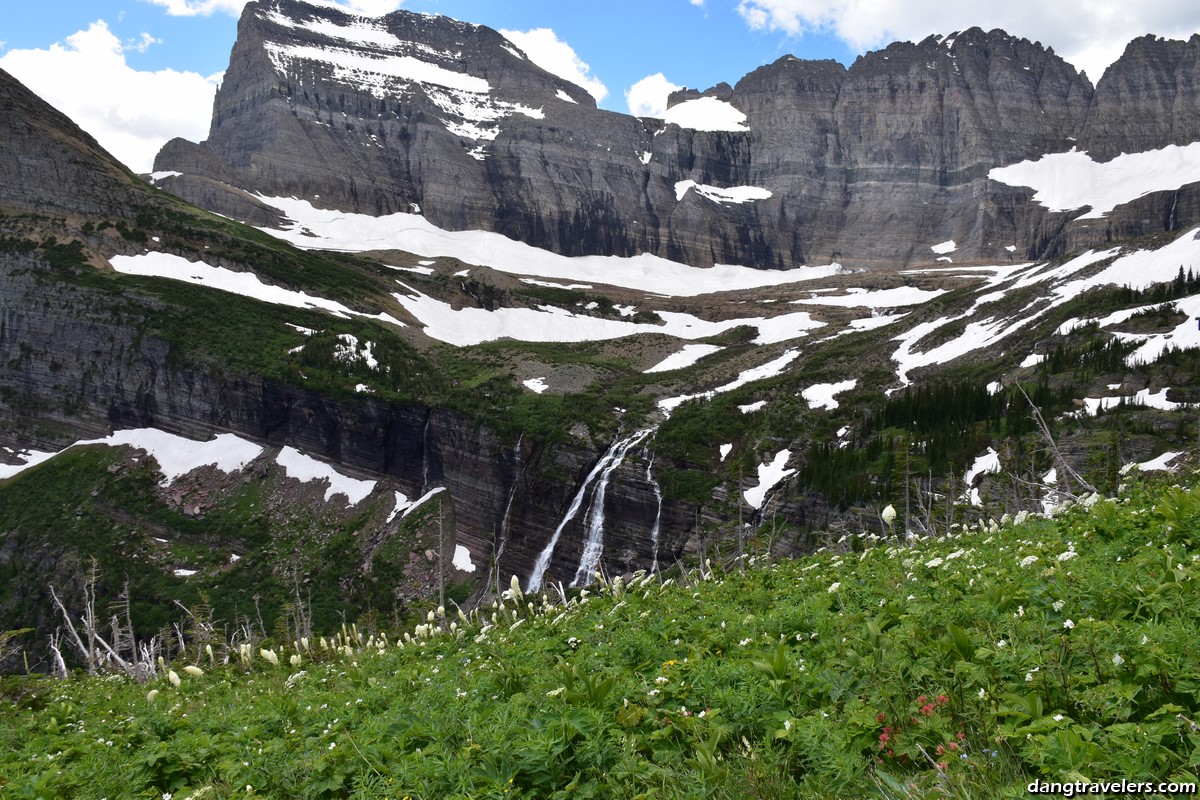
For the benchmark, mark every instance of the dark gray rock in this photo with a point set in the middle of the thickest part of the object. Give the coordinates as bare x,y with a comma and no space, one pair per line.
870,165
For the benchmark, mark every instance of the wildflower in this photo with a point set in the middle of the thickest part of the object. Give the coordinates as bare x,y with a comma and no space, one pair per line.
270,656
982,693
833,587
942,699
889,515
1058,604
1028,560
1069,624
195,672
933,562
294,660
1001,643
1028,677
1117,660
1058,717
150,695
1069,554
173,678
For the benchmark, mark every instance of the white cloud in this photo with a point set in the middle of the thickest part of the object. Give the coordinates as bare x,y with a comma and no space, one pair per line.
648,97
131,113
1090,34
545,49
193,8
697,2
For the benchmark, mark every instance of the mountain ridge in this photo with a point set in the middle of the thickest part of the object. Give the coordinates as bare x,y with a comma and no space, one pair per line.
847,160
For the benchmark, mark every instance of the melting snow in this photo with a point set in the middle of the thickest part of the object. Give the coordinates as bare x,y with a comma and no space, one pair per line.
402,503
877,298
726,449
185,573
1067,181
339,230
176,456
1163,462
821,395
752,407
770,369
372,74
768,476
1093,405
155,177
733,194
553,285
420,501
944,248
305,468
462,559
536,385
706,114
246,284
986,464
561,95
690,354
468,326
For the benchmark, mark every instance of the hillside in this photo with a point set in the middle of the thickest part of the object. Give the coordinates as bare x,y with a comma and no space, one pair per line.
966,665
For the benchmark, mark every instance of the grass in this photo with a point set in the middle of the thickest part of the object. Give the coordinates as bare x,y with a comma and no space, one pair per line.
964,666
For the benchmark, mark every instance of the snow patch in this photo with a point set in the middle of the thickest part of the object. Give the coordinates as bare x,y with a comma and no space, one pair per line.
689,355
769,475
462,559
750,408
821,395
305,468
1067,181
706,114
945,248
316,228
246,284
725,449
536,385
732,194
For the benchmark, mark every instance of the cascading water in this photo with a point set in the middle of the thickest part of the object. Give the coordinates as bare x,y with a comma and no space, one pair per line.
593,545
657,514
504,520
543,561
425,453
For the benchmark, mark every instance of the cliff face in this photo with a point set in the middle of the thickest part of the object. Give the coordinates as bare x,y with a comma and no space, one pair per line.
870,165
51,165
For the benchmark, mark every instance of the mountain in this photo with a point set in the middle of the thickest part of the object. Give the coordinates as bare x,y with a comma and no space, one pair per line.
804,162
369,400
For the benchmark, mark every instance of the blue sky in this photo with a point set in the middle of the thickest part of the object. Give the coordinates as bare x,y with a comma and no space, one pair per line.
135,72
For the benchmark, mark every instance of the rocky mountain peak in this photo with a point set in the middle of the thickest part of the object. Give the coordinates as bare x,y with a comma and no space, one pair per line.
872,164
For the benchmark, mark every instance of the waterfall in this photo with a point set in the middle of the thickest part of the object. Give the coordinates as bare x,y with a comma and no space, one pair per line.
504,520
425,452
1172,220
657,514
593,545
543,561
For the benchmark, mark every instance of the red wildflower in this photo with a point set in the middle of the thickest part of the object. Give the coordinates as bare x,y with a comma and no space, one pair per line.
940,749
880,717
921,700
954,745
943,699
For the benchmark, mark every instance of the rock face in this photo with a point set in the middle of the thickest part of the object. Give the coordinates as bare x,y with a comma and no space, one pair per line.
870,165
50,164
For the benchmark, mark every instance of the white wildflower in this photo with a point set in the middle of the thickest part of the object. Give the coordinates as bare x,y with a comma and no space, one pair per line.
173,678
1117,660
1028,560
934,562
195,672
1058,604
833,587
889,515
1069,624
